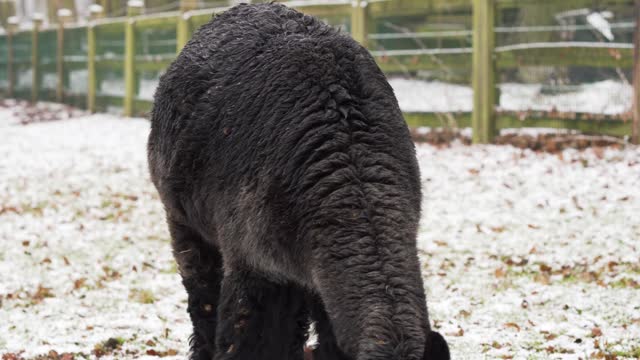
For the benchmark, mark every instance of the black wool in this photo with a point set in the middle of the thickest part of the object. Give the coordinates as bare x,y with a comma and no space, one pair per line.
292,193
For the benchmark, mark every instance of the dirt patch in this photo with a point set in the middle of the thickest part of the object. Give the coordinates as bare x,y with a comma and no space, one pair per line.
26,113
548,142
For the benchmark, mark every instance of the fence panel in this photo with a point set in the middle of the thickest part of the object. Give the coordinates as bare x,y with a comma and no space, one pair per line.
22,65
4,69
564,64
75,66
47,53
110,46
426,52
155,50
565,59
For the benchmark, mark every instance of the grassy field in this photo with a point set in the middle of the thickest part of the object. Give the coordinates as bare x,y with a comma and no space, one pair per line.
525,255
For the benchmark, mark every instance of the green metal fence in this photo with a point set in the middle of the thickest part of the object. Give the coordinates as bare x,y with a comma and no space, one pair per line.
471,54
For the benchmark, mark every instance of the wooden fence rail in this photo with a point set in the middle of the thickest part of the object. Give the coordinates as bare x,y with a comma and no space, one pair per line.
483,58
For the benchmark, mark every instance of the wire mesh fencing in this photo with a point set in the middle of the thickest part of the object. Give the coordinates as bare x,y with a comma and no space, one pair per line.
155,49
47,64
4,66
565,57
427,56
75,75
22,65
551,60
110,54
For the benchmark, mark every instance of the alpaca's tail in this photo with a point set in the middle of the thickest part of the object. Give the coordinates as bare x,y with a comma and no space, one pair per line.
366,269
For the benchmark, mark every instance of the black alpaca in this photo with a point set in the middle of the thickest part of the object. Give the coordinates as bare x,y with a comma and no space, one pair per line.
292,193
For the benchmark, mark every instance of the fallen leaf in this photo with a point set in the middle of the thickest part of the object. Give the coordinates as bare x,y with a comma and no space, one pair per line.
512,325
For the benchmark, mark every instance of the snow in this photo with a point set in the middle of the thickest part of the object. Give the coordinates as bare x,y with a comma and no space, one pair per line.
135,3
605,97
525,254
65,13
600,23
95,9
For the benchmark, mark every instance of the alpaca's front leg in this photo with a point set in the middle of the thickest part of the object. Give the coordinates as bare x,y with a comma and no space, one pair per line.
260,320
200,266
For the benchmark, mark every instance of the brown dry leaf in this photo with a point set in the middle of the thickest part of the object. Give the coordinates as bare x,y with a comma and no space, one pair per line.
458,333
41,293
545,268
596,332
500,272
512,325
498,229
520,262
77,284
152,352
543,279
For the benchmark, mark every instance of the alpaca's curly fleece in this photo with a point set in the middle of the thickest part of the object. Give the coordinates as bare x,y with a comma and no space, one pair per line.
287,170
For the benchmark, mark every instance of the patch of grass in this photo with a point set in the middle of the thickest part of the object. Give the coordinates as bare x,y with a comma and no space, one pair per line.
108,346
36,209
625,283
143,296
173,269
633,353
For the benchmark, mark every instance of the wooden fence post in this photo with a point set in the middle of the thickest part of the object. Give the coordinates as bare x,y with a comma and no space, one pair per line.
11,71
35,58
484,84
134,8
63,16
183,30
97,12
360,21
635,129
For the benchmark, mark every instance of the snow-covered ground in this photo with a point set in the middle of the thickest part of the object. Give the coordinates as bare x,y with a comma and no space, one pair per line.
605,97
526,255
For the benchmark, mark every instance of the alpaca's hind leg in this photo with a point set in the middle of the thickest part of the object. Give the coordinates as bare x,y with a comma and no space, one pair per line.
260,319
200,266
327,348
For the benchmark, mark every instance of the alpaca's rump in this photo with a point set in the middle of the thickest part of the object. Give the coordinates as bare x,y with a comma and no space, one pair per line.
277,142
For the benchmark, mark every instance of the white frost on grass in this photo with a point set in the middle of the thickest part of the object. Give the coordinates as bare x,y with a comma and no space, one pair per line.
605,97
79,216
433,96
573,218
